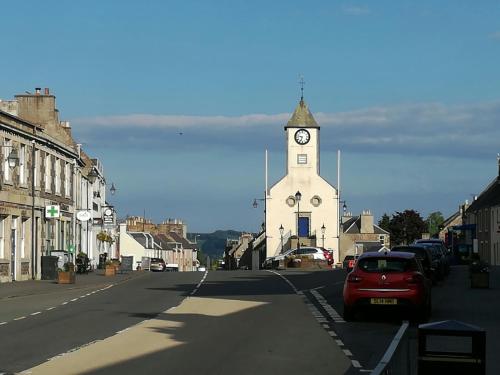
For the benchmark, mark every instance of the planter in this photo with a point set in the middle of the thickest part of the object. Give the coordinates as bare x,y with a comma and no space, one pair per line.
110,270
66,277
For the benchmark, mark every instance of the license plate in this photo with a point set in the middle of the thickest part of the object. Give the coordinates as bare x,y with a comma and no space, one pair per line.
383,301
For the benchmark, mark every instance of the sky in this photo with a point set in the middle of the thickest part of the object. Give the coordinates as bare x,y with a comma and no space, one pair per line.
408,91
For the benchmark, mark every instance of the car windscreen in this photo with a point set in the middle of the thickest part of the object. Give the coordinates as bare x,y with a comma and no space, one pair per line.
386,264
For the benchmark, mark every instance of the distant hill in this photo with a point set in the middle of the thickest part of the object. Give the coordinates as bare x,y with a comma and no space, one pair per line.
213,244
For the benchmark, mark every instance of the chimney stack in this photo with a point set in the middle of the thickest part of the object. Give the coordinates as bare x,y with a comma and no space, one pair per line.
37,90
46,91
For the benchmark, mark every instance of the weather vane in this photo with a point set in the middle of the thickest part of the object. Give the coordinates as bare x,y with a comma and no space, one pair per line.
302,83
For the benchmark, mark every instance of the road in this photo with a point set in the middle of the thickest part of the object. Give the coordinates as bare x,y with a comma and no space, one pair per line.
221,323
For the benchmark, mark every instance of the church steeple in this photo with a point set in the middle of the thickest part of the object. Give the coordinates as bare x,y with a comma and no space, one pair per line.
302,117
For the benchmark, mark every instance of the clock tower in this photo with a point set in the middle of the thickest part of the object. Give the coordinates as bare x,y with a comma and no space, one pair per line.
302,207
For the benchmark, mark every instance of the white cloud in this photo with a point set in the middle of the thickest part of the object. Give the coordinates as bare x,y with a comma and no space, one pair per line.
495,35
430,128
355,10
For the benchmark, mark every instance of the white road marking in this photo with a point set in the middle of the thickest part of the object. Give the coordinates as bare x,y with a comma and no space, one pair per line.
347,352
50,308
74,299
64,303
332,333
326,326
20,318
36,313
355,363
339,342
329,309
83,296
2,323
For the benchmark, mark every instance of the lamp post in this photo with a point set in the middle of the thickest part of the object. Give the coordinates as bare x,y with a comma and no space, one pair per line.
281,229
298,196
112,189
323,229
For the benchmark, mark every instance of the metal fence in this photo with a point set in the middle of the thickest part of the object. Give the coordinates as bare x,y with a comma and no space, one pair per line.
398,359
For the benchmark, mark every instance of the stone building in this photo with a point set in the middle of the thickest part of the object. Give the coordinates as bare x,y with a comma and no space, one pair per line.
141,224
42,189
360,234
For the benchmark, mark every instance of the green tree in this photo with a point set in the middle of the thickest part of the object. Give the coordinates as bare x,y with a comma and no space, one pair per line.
405,227
433,221
384,222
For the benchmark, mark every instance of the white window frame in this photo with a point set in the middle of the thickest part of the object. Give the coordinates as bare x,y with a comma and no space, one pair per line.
57,167
66,179
302,159
23,238
2,237
6,168
48,167
36,168
22,164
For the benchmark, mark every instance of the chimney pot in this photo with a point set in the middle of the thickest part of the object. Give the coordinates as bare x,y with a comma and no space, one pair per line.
37,90
46,91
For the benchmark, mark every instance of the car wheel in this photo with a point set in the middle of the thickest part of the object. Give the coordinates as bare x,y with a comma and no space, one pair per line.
348,314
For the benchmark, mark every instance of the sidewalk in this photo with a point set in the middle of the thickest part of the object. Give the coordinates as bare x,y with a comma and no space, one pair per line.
37,287
456,300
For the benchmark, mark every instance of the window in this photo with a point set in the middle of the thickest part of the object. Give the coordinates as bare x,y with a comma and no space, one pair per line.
37,166
66,179
48,177
2,237
302,159
58,176
22,164
23,236
381,238
6,150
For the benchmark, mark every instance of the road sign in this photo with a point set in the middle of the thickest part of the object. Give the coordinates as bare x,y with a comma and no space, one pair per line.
52,212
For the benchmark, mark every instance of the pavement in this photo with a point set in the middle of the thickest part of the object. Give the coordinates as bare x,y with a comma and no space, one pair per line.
83,281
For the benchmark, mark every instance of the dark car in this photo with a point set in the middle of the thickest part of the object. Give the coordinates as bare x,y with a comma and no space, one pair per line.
425,256
440,263
389,279
436,242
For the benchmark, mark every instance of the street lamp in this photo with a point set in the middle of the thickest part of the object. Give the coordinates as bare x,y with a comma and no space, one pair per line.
256,201
112,189
92,175
281,229
298,196
323,229
13,158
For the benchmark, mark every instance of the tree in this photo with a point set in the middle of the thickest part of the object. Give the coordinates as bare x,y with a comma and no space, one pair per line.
405,227
384,222
433,222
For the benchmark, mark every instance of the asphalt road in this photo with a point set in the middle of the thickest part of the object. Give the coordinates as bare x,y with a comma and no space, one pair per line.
243,322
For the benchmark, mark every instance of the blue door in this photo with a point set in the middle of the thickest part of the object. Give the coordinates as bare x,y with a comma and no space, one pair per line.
303,227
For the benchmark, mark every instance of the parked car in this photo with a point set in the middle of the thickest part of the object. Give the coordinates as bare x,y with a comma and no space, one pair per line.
157,264
447,255
317,253
438,258
349,262
392,279
425,256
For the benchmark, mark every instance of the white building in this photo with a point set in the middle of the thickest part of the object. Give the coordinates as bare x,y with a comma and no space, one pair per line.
318,204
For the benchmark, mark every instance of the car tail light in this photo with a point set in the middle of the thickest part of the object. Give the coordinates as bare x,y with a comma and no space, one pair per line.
415,278
351,263
353,278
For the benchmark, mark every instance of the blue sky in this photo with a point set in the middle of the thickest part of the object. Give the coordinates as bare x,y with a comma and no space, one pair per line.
409,91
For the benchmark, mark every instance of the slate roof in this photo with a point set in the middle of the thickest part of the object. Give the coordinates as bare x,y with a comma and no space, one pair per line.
185,243
145,239
488,198
302,117
353,226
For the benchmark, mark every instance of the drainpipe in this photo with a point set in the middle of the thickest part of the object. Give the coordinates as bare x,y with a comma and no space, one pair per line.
34,265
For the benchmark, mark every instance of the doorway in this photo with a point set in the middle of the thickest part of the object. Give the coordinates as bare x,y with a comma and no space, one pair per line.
303,226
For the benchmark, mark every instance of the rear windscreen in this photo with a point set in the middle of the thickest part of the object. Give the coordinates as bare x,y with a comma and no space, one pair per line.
385,265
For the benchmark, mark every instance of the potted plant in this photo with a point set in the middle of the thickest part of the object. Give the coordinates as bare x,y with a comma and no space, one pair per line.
67,274
110,269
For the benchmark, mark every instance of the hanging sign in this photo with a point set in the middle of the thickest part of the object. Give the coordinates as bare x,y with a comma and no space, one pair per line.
52,212
83,215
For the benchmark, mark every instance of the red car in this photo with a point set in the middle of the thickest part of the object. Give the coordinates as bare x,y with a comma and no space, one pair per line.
392,279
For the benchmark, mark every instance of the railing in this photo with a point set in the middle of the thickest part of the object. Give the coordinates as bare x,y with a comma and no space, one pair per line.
397,359
286,237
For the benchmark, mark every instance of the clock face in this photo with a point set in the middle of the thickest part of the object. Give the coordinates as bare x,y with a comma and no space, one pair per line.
108,212
302,136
